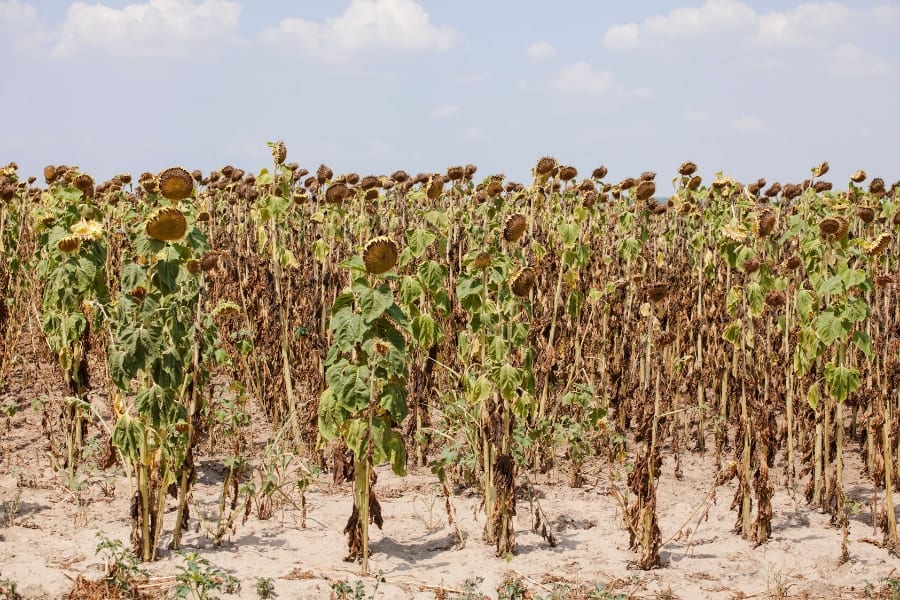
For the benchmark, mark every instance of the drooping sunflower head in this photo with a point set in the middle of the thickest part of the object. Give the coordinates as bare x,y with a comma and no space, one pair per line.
657,292
193,266
858,177
176,183
568,173
84,183
545,166
775,299
879,244
821,169
514,228
279,152
600,172
50,174
866,214
829,226
482,261
209,261
793,263
380,255
68,244
336,193
765,223
687,168
324,173
456,173
645,190
523,281
167,224
877,187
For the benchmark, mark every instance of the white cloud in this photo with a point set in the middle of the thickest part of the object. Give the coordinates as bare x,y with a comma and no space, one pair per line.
540,52
748,123
806,26
445,110
366,24
15,14
848,60
621,37
582,79
715,16
476,134
157,28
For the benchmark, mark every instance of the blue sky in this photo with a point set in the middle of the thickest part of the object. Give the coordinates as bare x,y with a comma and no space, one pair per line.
752,88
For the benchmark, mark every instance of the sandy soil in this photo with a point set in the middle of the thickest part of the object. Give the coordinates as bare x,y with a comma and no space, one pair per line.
48,535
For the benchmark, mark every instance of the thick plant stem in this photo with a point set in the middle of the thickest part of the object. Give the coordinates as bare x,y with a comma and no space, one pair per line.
891,540
361,493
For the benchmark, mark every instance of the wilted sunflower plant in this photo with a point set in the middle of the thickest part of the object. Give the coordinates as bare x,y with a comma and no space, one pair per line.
366,374
497,377
73,269
163,345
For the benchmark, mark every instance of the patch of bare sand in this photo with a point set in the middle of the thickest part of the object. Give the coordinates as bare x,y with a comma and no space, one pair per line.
50,533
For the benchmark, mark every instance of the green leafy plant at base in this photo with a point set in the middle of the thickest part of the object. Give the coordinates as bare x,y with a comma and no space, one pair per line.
265,587
197,578
121,565
365,400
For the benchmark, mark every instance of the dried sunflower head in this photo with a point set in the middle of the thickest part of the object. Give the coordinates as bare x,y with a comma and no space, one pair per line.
399,176
821,169
193,266
645,190
858,177
456,173
68,244
793,263
336,193
175,183
167,224
567,173
494,188
203,217
324,173
876,186
879,244
482,261
751,265
523,281
209,261
368,182
776,299
657,292
279,152
866,214
380,255
545,166
765,223
687,168
514,228
600,172
829,226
